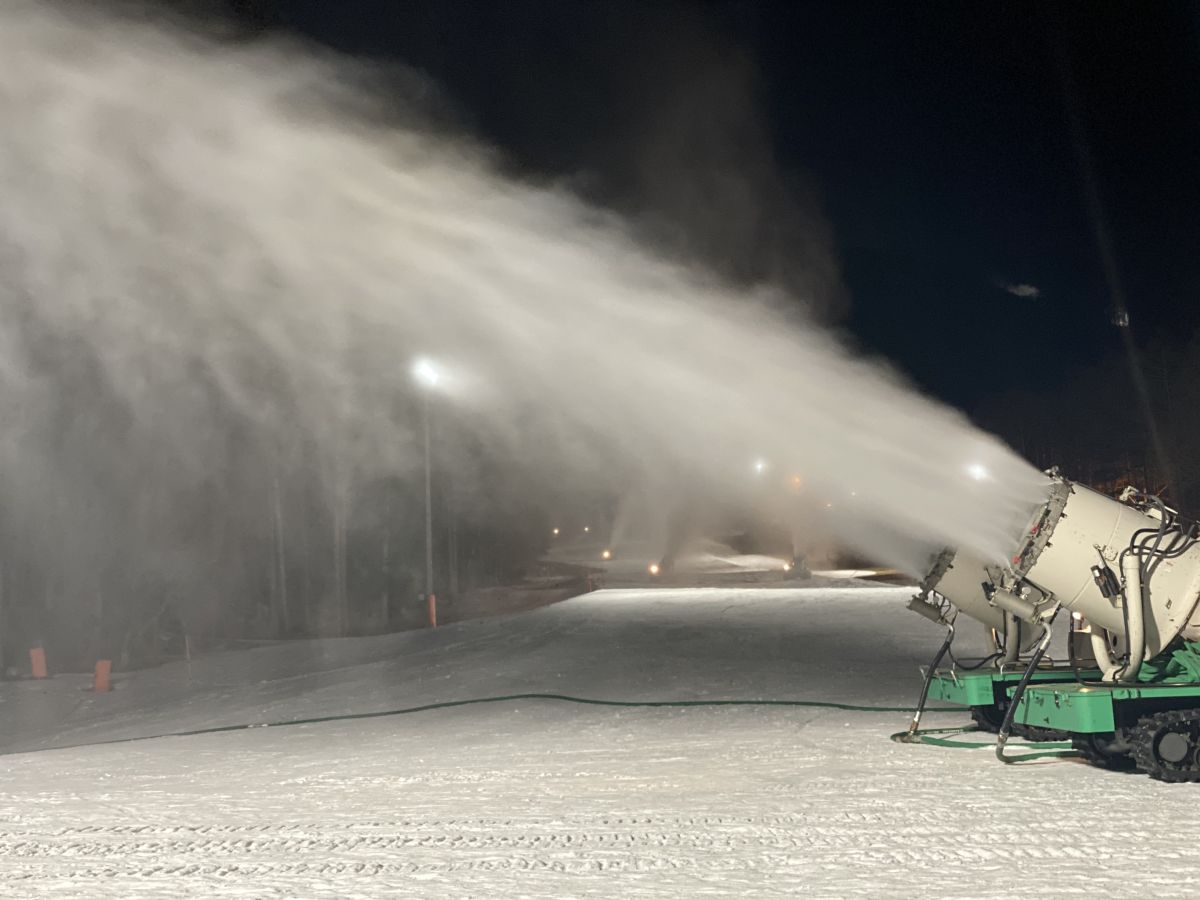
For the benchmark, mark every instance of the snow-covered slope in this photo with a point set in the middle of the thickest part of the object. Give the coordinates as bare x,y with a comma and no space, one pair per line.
741,643
546,799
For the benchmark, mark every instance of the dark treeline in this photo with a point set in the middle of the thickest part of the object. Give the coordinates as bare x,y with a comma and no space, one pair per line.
309,567
1095,425
125,530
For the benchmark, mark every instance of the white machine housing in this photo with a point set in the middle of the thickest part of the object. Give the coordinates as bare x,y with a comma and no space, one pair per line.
1078,554
1079,529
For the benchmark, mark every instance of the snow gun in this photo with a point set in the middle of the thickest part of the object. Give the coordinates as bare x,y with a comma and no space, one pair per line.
1126,572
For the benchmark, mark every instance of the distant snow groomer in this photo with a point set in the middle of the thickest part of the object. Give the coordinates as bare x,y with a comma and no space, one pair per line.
1128,573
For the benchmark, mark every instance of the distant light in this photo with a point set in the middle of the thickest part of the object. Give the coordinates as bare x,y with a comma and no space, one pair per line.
829,506
760,466
607,554
854,493
654,569
797,482
787,567
555,532
978,471
426,373
586,529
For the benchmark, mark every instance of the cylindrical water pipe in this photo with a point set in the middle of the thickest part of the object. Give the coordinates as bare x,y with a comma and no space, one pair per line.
1012,640
1016,607
1135,610
1100,650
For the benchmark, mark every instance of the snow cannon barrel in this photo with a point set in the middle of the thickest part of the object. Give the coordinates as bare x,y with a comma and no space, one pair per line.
1089,552
959,578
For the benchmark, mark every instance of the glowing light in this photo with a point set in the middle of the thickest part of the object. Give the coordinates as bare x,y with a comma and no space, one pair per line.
797,482
760,466
829,506
978,471
654,569
586,529
555,532
607,554
426,373
787,567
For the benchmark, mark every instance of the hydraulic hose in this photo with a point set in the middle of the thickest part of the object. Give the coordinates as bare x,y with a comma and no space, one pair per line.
1006,728
916,719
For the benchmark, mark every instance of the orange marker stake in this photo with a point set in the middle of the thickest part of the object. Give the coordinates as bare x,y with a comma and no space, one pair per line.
100,681
433,610
37,661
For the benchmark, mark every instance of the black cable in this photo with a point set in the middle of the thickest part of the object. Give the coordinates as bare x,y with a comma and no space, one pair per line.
978,665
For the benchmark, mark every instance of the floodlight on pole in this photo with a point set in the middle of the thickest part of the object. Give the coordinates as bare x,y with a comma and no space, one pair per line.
427,376
426,373
978,471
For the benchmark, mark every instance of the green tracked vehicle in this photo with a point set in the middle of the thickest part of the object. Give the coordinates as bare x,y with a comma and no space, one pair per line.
1126,574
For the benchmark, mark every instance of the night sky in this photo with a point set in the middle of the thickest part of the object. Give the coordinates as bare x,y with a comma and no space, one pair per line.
956,149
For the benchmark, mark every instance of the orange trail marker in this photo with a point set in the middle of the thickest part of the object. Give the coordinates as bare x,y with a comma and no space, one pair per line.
100,682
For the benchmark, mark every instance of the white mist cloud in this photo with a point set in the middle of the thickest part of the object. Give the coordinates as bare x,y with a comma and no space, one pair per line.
213,281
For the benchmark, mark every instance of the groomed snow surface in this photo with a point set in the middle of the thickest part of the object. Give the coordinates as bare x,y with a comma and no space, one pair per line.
550,799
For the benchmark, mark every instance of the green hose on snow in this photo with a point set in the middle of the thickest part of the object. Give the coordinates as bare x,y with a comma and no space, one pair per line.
927,736
502,698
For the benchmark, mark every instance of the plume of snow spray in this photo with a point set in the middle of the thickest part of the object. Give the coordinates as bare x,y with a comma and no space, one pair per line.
210,275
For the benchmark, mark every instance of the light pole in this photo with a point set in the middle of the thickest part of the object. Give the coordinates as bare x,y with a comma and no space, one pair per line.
427,376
